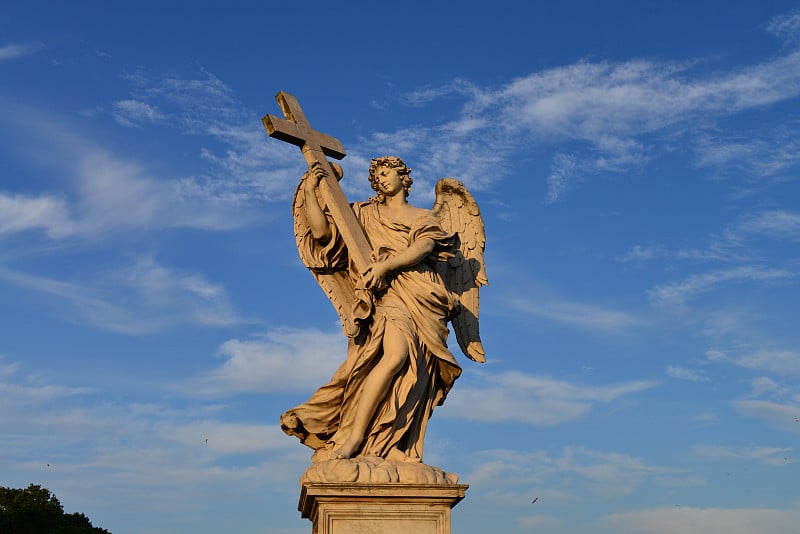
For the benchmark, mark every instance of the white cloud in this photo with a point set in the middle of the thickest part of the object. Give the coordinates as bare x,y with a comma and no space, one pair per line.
784,417
774,224
426,95
20,213
786,26
638,253
575,313
156,452
608,108
681,520
456,148
562,171
131,113
779,362
172,296
115,195
592,101
573,473
143,298
249,167
776,404
762,455
683,373
280,360
610,473
227,438
31,390
765,386
532,399
678,293
611,112
100,193
762,156
16,51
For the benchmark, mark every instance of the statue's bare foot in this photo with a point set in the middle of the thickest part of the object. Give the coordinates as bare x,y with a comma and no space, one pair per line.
346,450
397,456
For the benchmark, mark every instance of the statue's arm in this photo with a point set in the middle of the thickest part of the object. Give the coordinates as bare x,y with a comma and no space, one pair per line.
375,275
320,229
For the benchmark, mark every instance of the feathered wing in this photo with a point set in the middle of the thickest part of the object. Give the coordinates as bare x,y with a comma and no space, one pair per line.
328,263
465,272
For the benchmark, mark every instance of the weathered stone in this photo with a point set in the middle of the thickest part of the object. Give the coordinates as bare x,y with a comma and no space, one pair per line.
380,508
397,275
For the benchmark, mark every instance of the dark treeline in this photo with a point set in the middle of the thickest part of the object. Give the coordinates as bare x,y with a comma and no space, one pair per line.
34,510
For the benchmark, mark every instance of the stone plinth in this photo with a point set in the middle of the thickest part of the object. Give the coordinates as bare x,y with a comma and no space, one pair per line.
359,508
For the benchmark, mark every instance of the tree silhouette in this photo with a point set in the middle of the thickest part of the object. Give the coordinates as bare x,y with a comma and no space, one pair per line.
34,510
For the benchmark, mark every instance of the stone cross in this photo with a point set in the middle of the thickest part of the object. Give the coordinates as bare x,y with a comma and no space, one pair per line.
315,146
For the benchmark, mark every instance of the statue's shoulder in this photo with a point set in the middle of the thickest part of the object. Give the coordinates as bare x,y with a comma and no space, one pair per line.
421,212
358,207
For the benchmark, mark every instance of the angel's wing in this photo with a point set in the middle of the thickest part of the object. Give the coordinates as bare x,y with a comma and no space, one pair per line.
327,263
464,273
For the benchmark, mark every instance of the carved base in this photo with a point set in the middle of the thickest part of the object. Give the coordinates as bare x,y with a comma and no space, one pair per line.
342,508
374,470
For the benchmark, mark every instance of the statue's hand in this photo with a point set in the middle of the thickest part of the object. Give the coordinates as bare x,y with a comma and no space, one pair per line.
316,173
374,277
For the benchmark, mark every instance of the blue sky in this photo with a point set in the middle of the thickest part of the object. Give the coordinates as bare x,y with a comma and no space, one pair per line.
637,168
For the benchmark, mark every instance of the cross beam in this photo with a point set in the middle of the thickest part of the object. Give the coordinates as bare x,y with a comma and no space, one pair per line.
315,146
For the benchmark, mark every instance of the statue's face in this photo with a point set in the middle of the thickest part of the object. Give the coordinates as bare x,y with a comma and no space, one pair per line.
389,181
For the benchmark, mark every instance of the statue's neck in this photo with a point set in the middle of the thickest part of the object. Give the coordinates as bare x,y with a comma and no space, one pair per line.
397,201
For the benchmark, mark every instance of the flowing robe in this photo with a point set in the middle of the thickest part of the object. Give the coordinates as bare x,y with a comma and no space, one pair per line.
418,304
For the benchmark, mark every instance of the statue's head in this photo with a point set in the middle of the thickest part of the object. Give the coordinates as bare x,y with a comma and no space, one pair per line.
393,162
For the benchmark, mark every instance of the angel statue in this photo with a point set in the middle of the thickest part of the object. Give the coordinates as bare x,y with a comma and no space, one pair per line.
425,271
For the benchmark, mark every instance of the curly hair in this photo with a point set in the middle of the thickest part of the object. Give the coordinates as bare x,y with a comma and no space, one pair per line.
393,162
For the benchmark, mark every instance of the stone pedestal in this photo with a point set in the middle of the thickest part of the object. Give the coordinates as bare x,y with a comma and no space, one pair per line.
365,508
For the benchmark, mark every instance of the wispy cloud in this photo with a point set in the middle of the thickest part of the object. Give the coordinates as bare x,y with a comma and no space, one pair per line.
773,224
639,253
783,416
15,51
762,455
19,213
562,172
607,112
115,194
680,519
279,360
774,403
677,293
779,362
758,156
575,471
159,453
786,26
576,314
682,373
247,167
221,437
101,193
739,242
132,113
612,111
533,400
143,298
31,390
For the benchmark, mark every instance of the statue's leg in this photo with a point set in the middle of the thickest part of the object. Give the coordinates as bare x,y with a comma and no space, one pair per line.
395,354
